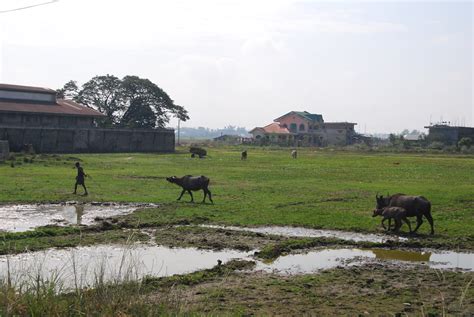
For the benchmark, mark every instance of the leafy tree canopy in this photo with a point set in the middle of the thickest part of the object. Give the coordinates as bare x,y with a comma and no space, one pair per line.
128,102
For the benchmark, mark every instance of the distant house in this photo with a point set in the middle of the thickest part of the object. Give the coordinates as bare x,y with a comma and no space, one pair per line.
448,134
231,139
304,128
273,133
413,137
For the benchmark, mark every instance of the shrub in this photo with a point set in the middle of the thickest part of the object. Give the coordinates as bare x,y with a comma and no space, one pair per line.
465,142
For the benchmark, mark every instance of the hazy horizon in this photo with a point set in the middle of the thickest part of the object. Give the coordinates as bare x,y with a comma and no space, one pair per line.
387,66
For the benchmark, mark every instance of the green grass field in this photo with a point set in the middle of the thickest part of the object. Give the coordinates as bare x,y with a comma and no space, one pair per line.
320,189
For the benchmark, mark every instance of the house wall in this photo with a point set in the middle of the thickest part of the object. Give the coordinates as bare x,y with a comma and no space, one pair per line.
258,134
298,120
48,121
449,135
63,140
339,133
4,150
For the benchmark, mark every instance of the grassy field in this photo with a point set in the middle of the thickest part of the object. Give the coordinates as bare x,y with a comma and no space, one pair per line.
320,189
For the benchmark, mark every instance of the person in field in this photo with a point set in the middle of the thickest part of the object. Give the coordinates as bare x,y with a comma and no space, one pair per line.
80,179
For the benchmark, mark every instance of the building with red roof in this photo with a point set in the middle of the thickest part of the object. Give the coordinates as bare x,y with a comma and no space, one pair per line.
304,128
25,106
33,118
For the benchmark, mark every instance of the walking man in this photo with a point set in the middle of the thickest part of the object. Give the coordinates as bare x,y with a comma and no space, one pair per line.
80,178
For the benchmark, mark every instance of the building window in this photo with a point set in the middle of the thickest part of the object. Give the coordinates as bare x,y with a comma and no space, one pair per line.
293,127
301,127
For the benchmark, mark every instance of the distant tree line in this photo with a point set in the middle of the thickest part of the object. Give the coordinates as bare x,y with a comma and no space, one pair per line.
206,133
132,101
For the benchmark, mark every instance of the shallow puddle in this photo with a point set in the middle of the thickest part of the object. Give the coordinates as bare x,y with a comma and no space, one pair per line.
17,218
329,258
83,266
313,233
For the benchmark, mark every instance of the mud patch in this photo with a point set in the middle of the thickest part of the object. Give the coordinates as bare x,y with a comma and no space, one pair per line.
314,233
84,266
370,290
18,218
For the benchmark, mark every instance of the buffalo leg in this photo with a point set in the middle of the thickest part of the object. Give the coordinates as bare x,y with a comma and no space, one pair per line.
430,220
408,223
398,224
182,193
191,194
205,194
419,221
383,223
209,194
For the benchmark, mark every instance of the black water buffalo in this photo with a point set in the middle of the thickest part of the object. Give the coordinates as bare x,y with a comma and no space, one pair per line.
189,183
396,213
416,206
243,155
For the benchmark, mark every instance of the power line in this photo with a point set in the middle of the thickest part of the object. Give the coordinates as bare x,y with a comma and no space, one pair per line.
28,7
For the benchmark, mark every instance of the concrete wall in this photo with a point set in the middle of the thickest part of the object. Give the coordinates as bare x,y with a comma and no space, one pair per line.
45,121
4,150
55,140
449,135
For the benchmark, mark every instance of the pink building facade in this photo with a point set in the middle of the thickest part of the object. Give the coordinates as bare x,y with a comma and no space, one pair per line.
301,128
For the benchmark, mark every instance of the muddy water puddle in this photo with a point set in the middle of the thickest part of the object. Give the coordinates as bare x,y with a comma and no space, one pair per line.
312,233
17,218
83,266
314,261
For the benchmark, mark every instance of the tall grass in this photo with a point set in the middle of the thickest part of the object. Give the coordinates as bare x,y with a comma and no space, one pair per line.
103,290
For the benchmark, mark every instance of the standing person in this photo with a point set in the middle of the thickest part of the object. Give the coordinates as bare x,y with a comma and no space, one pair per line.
80,178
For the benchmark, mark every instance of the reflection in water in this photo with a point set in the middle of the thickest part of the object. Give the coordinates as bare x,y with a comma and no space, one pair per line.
73,213
18,218
329,258
401,255
83,265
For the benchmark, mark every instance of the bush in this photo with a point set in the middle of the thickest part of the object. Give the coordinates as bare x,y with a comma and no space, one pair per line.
465,142
436,145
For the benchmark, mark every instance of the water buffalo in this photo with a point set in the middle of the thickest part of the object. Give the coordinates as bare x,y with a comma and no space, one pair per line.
243,155
396,213
416,206
189,183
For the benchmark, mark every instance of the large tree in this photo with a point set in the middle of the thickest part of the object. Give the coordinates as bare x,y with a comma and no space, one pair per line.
129,102
103,93
69,90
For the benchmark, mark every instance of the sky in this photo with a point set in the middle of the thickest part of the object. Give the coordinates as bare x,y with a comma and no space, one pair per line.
384,65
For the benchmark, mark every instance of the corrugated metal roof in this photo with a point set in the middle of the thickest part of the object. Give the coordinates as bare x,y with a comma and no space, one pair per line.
26,88
305,114
61,107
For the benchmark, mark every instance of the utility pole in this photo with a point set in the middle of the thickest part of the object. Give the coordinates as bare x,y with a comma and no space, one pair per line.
179,123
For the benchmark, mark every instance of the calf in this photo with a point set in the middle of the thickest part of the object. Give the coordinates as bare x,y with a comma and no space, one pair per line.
396,213
294,154
189,183
243,155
